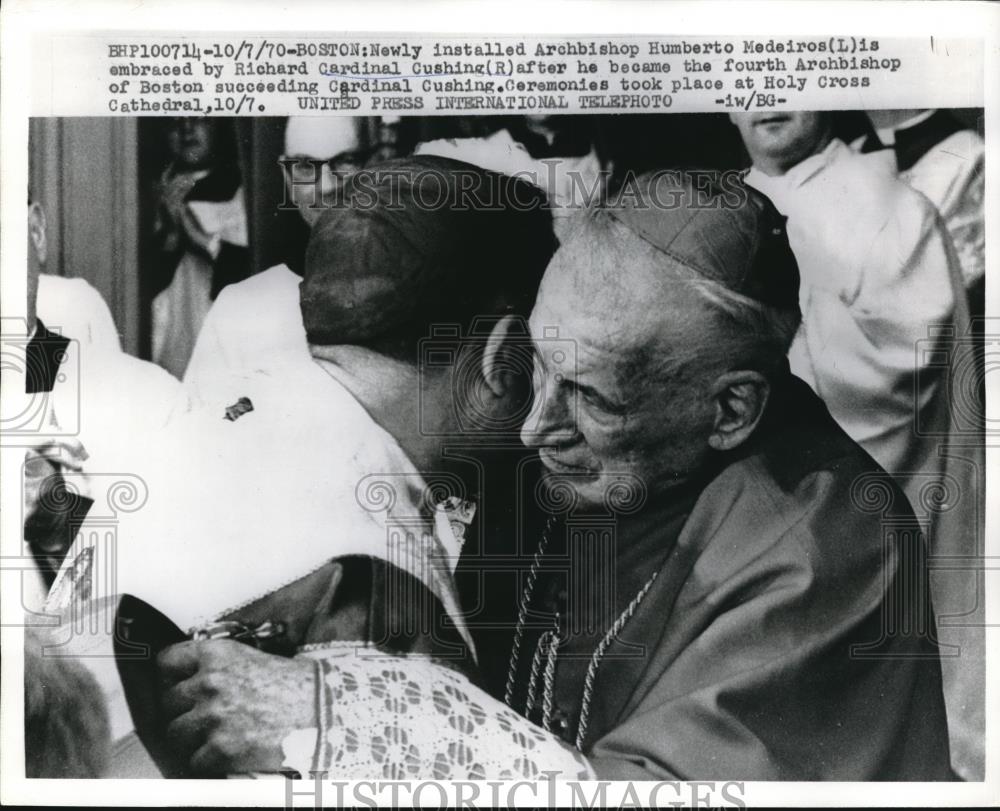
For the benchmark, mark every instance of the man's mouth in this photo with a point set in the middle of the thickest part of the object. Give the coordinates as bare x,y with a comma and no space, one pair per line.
771,119
551,458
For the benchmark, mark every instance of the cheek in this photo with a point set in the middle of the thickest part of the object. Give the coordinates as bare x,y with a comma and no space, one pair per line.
612,440
328,185
649,446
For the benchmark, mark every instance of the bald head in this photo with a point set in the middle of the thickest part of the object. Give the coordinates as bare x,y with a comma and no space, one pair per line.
320,137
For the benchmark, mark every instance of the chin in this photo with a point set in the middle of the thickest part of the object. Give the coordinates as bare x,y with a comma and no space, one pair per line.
609,493
309,215
566,491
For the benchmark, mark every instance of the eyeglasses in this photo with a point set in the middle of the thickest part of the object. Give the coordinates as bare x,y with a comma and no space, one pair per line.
307,168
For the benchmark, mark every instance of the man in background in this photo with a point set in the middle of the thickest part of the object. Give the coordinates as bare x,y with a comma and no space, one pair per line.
81,378
256,324
70,306
937,155
882,298
200,232
95,402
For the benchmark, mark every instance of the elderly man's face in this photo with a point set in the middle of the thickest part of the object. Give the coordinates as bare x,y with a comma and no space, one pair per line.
781,140
627,406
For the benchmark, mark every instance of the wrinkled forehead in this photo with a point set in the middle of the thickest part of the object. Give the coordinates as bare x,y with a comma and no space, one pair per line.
320,137
569,284
619,297
579,304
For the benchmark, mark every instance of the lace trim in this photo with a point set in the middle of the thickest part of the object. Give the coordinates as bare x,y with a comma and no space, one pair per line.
409,718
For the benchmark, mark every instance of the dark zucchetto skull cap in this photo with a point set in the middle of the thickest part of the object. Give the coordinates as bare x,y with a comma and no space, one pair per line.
420,241
716,227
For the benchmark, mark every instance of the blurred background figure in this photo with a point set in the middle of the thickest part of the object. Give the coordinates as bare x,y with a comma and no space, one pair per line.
877,271
943,159
256,324
64,317
200,230
68,306
388,138
98,404
99,409
66,730
879,278
559,154
941,156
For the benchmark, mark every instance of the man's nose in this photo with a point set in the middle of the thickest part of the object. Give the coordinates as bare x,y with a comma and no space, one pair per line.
551,420
330,182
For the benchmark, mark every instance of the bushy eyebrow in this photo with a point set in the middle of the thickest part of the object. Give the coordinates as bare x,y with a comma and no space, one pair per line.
599,399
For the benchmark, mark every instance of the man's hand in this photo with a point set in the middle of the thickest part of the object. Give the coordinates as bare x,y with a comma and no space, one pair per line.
231,705
174,189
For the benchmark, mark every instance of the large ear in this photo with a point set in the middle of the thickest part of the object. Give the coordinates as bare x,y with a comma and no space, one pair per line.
740,398
496,373
36,231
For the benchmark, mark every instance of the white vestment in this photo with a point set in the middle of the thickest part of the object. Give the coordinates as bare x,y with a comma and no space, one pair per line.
179,310
878,278
72,307
883,341
952,175
108,401
235,509
253,326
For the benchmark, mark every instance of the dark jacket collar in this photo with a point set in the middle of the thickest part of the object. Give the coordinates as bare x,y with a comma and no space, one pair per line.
912,143
218,186
44,353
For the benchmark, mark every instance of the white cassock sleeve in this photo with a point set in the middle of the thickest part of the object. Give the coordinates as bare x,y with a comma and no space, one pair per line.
879,274
952,176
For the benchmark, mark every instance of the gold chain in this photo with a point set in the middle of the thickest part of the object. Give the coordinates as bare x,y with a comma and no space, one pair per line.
549,641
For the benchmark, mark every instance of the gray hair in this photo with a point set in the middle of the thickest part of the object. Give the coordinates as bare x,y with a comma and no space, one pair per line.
758,333
752,335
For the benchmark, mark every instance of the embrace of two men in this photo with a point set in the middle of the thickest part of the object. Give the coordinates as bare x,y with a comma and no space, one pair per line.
736,622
